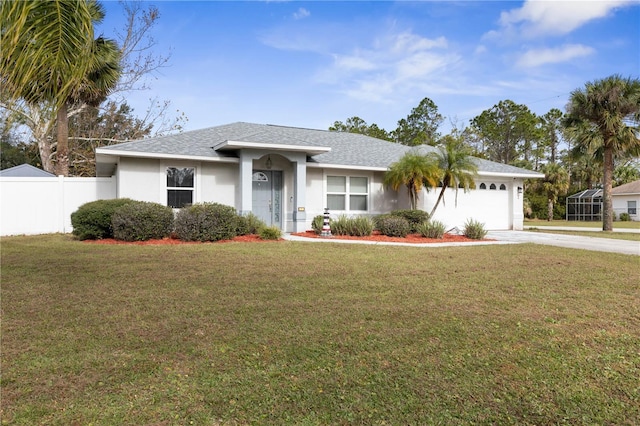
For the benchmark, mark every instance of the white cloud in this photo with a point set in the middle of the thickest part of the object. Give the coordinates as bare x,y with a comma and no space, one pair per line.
301,13
538,57
538,18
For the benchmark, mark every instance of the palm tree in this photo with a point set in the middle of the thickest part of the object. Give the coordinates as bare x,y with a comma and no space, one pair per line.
457,168
555,183
610,109
414,171
103,75
49,56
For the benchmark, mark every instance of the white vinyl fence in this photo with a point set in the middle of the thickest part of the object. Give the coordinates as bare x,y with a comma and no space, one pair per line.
43,205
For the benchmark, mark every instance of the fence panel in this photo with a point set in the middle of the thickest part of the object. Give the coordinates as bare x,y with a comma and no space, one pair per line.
44,205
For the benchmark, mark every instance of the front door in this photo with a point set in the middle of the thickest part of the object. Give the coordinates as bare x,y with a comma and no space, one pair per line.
267,196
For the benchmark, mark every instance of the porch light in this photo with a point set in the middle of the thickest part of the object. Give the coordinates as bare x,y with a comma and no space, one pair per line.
519,190
268,163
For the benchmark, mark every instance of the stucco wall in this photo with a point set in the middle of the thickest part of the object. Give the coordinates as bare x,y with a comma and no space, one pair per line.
620,205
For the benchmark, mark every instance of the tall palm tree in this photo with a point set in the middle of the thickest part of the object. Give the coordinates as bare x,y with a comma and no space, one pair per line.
103,75
414,171
49,56
610,108
555,183
457,168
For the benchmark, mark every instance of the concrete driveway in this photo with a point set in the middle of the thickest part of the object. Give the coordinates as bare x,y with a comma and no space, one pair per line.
569,241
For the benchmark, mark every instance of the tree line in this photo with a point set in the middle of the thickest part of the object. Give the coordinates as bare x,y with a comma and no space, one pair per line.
594,143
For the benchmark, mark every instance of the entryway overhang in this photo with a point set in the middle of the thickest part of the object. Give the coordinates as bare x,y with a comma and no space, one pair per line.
309,150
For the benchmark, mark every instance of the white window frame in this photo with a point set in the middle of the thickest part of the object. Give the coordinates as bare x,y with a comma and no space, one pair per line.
347,193
180,188
632,210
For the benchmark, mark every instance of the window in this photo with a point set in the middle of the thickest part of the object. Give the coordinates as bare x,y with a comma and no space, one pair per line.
503,187
483,185
180,186
492,186
631,207
347,193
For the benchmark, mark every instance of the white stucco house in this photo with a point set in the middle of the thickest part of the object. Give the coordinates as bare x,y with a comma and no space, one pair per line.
288,175
626,199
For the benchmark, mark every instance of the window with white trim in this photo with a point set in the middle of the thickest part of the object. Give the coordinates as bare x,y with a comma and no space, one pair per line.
347,193
180,182
631,207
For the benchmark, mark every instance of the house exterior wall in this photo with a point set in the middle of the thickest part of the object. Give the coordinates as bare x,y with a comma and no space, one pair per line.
30,206
620,204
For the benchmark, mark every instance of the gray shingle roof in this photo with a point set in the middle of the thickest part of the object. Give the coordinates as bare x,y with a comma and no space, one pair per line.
347,149
25,170
627,188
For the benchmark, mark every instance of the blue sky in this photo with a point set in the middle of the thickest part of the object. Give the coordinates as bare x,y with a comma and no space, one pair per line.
308,64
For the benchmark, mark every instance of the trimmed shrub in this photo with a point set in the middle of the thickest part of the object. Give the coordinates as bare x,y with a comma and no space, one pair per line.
249,224
141,221
414,217
432,229
625,217
317,223
394,226
474,230
92,221
270,233
208,222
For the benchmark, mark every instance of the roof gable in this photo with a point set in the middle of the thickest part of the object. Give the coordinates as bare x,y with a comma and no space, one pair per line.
25,170
627,188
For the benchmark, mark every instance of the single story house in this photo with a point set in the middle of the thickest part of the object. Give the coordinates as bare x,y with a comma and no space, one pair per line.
288,175
626,199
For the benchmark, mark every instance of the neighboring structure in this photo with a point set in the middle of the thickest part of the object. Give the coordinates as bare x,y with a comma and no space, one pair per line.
587,205
25,170
626,199
288,175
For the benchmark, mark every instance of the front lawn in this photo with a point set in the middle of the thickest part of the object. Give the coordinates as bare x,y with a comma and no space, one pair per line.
308,333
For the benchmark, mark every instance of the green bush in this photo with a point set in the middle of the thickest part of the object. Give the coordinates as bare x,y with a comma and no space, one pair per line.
208,222
340,225
474,230
140,221
625,217
432,229
270,233
92,221
414,217
394,226
249,224
360,226
317,223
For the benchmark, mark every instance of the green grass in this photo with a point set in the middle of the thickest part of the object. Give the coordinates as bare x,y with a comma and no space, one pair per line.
581,224
628,236
307,333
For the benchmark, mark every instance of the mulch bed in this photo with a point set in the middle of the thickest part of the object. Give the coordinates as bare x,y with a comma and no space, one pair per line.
174,241
411,238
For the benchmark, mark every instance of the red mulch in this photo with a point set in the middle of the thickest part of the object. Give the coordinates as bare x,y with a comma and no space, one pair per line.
411,238
175,241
